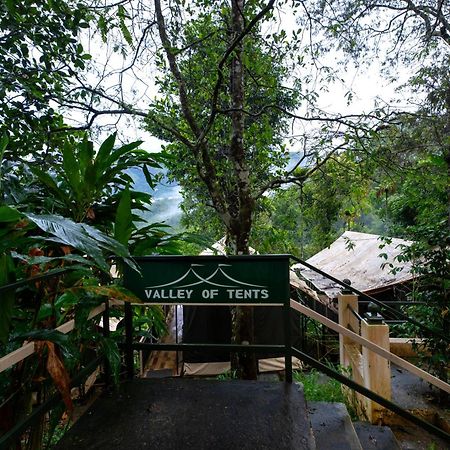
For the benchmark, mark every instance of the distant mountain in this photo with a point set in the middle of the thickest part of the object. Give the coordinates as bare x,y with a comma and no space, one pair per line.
167,195
166,198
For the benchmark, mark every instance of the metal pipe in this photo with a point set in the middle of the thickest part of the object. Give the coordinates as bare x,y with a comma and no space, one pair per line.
369,394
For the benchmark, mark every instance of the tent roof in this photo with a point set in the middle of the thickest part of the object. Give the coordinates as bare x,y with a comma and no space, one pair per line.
220,248
356,256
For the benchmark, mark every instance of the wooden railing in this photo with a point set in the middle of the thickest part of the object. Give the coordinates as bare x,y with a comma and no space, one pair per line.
28,348
367,367
367,354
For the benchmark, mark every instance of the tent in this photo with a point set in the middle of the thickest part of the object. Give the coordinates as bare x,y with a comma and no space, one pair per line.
367,260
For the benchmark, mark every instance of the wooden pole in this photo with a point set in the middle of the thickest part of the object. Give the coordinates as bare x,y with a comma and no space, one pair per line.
376,369
348,320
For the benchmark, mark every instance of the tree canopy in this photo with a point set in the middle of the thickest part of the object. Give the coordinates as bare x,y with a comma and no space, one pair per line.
231,88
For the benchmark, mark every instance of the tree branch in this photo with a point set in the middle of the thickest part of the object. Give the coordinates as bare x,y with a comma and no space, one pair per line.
237,40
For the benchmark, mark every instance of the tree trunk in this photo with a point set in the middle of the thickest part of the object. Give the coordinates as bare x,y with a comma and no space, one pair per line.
235,203
240,224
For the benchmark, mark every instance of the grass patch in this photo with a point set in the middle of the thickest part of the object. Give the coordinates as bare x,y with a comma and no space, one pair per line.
228,375
318,388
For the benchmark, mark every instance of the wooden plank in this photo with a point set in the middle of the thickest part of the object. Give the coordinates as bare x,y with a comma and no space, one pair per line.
27,349
377,370
404,347
355,358
347,320
371,346
16,356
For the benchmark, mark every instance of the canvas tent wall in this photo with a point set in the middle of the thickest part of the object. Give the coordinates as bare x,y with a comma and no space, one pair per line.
212,324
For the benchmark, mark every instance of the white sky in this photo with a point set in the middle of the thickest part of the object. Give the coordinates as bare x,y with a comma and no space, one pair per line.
366,83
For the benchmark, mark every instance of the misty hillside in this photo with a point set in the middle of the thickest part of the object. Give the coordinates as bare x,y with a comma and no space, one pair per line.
167,196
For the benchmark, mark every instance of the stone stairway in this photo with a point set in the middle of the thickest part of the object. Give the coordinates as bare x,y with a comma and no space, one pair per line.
333,429
183,414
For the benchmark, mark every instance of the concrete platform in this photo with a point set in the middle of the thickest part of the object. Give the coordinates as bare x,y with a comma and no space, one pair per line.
185,414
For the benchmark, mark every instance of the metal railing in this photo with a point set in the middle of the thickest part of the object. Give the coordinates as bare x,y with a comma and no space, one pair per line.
129,346
425,328
22,353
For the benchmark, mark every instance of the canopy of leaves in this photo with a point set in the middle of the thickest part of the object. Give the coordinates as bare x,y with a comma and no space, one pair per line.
40,53
201,44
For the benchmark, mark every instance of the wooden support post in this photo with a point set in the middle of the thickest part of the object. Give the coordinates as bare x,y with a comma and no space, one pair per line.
376,369
349,321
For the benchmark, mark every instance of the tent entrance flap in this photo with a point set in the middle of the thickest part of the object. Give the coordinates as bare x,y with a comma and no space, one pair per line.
213,325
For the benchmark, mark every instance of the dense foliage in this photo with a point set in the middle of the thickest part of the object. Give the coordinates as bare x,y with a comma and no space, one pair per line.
229,90
67,242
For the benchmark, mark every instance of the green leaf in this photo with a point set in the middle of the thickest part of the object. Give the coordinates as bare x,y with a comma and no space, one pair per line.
85,155
45,311
116,292
148,176
49,259
66,300
102,26
8,214
104,152
44,335
83,237
111,351
113,157
4,140
123,28
49,182
72,169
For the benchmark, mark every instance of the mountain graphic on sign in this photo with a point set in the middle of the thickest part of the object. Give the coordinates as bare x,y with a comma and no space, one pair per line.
218,278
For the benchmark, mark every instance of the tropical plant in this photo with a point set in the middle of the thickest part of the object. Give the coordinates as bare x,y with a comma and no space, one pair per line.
71,263
86,184
430,256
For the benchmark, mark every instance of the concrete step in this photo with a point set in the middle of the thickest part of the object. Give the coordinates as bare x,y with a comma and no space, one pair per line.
373,437
332,427
186,414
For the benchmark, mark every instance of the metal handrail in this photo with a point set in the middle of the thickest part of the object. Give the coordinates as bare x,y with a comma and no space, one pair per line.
396,302
43,276
424,327
355,313
14,433
370,394
395,321
291,351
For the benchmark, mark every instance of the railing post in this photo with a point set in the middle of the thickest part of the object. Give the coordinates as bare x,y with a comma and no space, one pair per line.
347,300
287,342
376,369
129,357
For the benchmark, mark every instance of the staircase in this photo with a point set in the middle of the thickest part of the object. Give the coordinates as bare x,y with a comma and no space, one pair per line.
333,429
188,414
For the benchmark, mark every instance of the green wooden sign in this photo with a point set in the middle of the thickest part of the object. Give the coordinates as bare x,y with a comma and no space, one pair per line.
251,280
